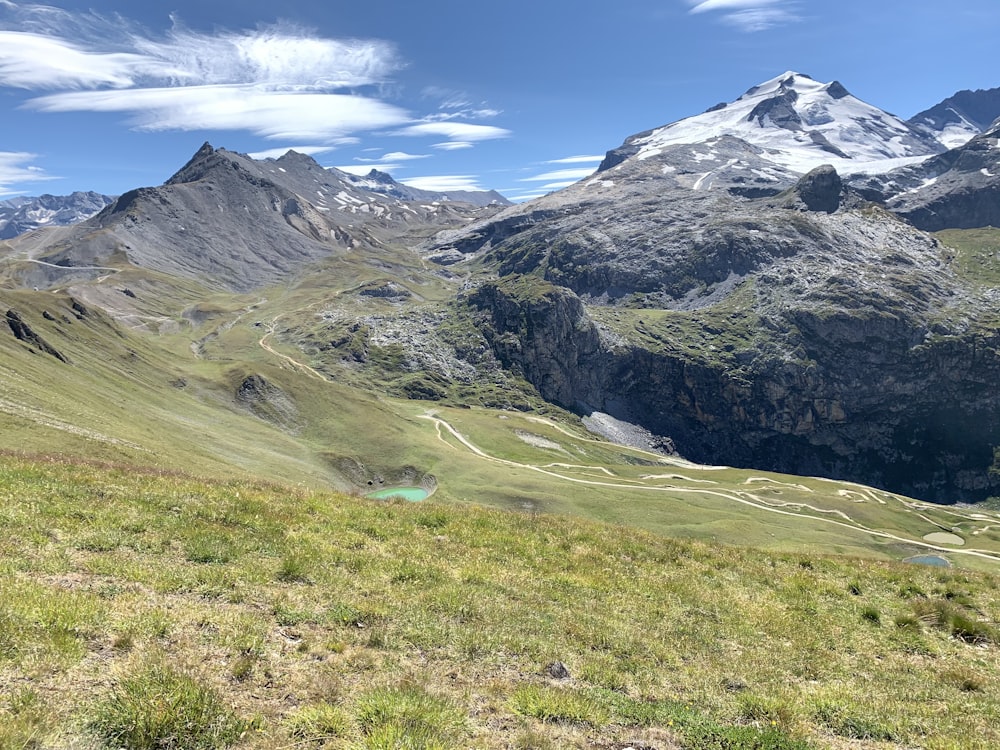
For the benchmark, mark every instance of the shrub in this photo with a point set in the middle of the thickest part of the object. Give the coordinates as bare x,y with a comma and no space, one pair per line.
846,722
294,569
557,704
964,679
159,708
206,548
956,620
318,722
407,717
872,615
712,736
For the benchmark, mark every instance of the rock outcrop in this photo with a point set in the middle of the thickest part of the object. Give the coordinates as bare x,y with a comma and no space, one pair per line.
268,402
24,332
959,189
820,189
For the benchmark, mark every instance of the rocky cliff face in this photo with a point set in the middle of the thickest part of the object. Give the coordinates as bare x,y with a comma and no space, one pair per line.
839,390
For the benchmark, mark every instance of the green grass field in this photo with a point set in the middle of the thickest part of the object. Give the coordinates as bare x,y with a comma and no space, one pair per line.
150,609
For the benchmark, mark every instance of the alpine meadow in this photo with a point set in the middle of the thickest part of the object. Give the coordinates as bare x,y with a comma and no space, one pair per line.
699,450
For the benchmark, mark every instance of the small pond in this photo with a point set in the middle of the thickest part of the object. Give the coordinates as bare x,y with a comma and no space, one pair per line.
934,560
413,494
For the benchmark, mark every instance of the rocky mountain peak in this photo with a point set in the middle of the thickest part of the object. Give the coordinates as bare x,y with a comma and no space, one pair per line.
381,177
957,119
799,123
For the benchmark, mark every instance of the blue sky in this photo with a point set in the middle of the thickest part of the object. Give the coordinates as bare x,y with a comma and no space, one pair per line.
515,95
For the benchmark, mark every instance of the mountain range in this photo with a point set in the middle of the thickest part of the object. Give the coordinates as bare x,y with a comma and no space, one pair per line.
755,286
23,214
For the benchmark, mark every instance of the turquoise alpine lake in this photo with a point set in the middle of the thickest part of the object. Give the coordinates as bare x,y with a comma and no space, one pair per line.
413,494
934,560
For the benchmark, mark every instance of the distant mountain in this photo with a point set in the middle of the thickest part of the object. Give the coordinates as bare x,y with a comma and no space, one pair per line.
797,124
959,118
236,223
19,215
381,182
718,282
959,189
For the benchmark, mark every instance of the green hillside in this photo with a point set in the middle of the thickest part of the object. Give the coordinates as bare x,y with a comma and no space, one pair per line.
150,609
213,391
205,396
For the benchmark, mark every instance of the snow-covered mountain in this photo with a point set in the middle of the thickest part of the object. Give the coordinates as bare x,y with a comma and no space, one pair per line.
19,215
959,118
381,182
798,124
959,189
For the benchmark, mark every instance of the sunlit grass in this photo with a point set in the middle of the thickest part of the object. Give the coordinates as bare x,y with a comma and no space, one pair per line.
310,614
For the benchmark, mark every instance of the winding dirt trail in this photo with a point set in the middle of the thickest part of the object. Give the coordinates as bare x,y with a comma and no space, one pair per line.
742,497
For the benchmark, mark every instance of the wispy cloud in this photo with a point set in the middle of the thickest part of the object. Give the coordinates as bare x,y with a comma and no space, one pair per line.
577,160
16,170
276,153
394,156
279,82
750,15
272,114
444,183
561,176
453,145
463,132
362,169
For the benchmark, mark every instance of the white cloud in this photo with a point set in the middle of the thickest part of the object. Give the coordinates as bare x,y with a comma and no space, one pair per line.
443,183
278,82
561,175
760,19
702,6
33,61
48,48
15,170
464,114
751,15
395,156
284,58
456,131
277,153
452,145
272,114
362,169
577,160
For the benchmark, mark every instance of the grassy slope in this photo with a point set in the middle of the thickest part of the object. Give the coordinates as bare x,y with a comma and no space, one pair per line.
304,608
149,400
